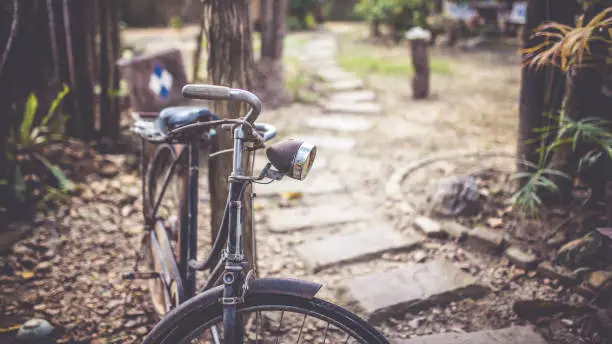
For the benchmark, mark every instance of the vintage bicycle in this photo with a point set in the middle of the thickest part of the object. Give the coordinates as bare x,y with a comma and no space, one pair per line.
233,306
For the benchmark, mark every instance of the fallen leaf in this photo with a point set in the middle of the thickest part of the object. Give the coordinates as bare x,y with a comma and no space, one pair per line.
291,195
26,275
9,329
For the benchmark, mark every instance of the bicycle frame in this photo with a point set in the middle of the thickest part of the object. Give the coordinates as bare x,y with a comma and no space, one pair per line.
228,263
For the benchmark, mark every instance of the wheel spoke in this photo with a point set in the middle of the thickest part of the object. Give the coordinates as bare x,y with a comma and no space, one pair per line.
326,329
301,329
280,325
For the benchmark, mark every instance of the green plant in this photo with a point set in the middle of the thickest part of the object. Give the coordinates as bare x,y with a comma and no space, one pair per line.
25,151
565,47
297,81
587,130
365,64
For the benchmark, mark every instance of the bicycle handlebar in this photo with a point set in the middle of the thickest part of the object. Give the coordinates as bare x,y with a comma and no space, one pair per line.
220,93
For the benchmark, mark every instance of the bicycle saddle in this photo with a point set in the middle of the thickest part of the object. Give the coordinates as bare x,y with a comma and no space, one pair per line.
175,117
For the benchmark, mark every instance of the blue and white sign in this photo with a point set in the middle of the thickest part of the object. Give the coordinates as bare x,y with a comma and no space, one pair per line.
459,11
519,13
160,82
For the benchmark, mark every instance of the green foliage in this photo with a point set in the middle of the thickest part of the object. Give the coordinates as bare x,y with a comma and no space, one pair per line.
25,150
397,66
590,130
298,82
384,10
175,23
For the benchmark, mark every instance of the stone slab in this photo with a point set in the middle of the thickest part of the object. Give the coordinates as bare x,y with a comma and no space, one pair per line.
346,85
334,73
317,182
521,258
428,226
353,96
561,273
335,143
343,123
486,239
351,246
455,230
511,335
351,107
412,288
291,219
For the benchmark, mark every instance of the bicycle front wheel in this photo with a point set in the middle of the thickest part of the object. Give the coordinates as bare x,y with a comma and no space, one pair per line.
269,318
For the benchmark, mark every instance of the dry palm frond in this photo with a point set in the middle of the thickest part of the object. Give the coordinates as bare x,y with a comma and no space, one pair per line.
566,46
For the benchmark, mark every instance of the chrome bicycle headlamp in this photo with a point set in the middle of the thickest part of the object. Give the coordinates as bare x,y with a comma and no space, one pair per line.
293,158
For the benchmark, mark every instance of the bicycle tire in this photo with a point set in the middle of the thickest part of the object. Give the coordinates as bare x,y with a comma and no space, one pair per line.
183,328
160,161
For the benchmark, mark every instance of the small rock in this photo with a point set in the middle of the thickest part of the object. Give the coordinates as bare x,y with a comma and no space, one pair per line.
452,196
44,267
520,258
35,330
428,226
142,330
420,256
486,239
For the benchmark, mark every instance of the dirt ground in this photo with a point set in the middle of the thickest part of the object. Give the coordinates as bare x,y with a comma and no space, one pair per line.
91,243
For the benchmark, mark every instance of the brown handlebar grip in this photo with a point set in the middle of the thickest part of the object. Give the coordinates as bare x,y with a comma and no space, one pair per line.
208,92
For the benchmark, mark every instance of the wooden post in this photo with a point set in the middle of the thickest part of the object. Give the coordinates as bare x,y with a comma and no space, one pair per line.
419,42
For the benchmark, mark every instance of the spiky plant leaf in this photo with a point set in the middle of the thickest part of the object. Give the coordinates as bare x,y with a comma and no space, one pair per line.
19,184
28,118
60,96
64,183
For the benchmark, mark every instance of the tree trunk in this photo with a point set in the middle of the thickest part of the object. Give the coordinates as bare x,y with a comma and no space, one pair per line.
230,64
81,123
375,29
109,83
541,89
269,81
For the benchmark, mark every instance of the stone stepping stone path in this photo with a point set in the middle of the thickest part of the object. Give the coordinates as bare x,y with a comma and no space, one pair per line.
412,288
286,220
315,183
511,335
350,246
351,107
343,123
346,85
332,229
353,96
341,144
333,73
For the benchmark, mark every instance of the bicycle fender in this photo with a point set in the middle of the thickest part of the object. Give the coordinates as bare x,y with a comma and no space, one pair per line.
280,286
